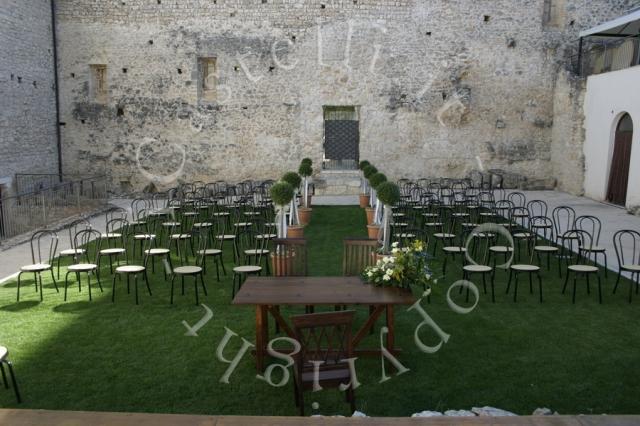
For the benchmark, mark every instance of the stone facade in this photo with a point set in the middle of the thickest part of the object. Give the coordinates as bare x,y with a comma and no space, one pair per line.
28,142
442,86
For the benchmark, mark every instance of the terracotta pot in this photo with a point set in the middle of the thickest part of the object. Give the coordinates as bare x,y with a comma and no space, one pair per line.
373,231
295,231
281,264
370,212
364,200
304,214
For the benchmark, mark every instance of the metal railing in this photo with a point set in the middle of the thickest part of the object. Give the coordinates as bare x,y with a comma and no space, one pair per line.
340,164
601,55
41,208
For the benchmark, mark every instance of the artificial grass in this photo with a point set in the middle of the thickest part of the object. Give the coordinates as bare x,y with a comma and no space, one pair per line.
81,355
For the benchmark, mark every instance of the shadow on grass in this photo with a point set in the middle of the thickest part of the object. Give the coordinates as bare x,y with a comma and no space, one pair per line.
72,307
20,306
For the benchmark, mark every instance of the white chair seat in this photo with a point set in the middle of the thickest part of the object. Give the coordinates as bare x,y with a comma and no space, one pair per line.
433,224
130,269
137,223
219,214
483,234
180,236
112,251
525,268
226,237
398,214
112,235
444,235
546,248
430,214
242,224
454,249
187,270
252,252
460,215
144,236
522,235
583,268
400,224
477,268
501,249
252,213
202,224
190,214
245,269
36,267
210,252
171,224
71,252
157,251
82,267
267,236
631,268
405,235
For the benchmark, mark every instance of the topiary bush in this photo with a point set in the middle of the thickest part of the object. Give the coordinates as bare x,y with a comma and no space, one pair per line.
377,179
305,169
388,193
363,164
281,193
307,160
369,171
293,179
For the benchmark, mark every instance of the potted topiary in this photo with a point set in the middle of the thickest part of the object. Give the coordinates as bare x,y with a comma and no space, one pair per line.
281,194
304,213
389,195
369,171
374,228
295,230
364,197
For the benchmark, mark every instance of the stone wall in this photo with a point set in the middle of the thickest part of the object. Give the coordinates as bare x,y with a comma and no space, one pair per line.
442,86
28,142
568,133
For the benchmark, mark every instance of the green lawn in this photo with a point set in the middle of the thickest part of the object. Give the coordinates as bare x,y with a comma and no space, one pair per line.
83,355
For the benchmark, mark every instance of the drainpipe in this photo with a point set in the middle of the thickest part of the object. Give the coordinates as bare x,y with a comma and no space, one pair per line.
57,86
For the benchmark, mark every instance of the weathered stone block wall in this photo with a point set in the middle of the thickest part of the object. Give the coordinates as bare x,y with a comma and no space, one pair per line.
28,141
442,86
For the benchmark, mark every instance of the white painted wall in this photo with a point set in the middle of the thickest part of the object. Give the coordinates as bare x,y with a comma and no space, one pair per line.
608,97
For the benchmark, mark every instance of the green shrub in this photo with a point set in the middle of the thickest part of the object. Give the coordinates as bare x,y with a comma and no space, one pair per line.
305,169
363,164
377,179
369,171
388,193
293,179
307,160
281,193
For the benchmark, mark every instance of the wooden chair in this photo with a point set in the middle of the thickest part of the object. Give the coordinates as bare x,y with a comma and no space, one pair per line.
359,253
325,339
289,257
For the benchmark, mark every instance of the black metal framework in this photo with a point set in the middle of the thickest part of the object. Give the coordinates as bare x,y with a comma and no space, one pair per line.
341,138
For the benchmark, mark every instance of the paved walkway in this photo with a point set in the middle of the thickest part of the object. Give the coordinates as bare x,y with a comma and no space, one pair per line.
613,219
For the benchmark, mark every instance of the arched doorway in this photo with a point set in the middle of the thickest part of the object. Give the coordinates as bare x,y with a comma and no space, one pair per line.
619,173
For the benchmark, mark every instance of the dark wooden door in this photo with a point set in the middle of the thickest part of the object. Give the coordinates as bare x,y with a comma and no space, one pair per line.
619,173
341,137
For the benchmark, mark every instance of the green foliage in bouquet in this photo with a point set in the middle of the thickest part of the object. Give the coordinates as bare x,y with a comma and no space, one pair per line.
402,268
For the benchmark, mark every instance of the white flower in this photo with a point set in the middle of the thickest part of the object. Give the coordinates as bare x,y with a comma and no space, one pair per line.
387,259
426,292
395,245
386,278
427,276
395,250
370,274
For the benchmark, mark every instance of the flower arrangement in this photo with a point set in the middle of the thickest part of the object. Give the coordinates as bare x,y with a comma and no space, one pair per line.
402,268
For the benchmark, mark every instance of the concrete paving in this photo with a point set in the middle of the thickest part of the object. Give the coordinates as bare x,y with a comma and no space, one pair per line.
613,218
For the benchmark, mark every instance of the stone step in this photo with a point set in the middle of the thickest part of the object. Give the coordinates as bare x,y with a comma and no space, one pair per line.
337,182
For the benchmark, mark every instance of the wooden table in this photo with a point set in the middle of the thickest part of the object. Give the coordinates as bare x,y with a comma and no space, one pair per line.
267,293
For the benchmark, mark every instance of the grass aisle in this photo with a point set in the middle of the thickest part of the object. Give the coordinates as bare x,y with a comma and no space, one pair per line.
83,355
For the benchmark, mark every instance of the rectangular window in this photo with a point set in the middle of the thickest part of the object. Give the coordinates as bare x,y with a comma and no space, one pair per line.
99,90
208,75
554,13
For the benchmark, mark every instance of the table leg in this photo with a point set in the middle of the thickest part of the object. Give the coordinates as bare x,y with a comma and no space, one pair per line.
390,326
262,336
